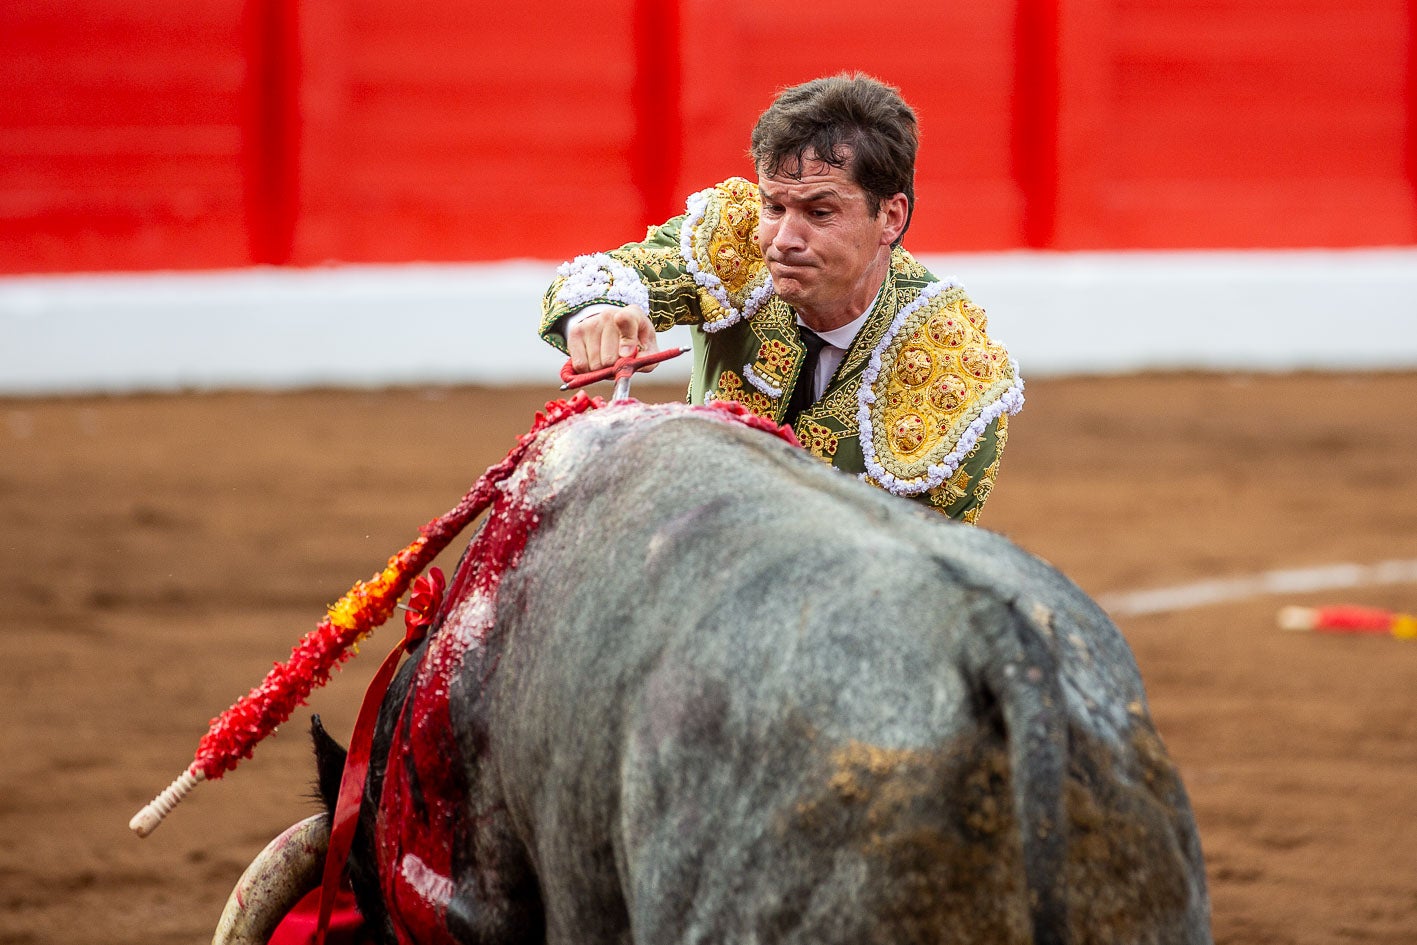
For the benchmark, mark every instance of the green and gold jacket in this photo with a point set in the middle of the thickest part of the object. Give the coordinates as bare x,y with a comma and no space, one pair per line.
920,403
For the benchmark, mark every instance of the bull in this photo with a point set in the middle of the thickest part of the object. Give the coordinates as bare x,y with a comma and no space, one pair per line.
720,692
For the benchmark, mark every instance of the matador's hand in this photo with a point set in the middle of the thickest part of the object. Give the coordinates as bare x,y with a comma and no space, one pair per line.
598,335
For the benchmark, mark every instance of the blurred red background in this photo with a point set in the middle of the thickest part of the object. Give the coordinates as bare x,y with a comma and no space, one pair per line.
222,133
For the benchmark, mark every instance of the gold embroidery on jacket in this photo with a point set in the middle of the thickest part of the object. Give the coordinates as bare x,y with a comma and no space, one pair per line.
658,263
780,352
819,440
892,299
937,375
951,490
731,387
907,266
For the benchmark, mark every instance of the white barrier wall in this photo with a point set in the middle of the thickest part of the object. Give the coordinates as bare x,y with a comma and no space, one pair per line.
1073,313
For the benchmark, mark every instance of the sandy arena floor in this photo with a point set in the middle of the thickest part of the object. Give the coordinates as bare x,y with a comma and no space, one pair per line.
158,553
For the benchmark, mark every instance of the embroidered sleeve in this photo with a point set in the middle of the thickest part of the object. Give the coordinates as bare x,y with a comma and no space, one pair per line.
599,278
649,273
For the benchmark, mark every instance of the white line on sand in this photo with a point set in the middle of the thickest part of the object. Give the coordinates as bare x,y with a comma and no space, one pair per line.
1227,590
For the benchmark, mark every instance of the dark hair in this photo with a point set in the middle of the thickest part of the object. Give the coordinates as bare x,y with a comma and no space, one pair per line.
850,121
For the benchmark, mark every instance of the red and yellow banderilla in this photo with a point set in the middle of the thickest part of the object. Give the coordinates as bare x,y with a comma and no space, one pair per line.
1349,618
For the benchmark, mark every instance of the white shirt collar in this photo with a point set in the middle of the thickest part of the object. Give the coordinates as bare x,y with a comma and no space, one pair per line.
843,336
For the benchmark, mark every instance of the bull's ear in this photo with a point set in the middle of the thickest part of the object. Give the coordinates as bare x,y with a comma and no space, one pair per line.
329,763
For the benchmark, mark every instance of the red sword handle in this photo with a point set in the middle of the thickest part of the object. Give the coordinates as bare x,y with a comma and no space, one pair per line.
622,368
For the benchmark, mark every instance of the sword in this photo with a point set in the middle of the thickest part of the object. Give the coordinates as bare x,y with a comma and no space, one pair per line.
622,370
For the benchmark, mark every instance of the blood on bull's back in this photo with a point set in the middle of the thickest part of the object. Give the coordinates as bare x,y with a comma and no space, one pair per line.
723,693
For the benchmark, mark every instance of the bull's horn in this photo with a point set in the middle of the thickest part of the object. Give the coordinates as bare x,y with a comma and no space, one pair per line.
288,868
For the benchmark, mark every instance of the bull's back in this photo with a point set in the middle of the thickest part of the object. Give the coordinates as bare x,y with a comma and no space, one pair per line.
741,696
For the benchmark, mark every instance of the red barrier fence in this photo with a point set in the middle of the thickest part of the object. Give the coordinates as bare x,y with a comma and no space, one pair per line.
214,133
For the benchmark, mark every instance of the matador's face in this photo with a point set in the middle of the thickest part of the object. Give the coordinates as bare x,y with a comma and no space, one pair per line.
827,252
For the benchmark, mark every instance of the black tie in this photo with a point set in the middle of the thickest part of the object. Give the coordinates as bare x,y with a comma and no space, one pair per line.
802,395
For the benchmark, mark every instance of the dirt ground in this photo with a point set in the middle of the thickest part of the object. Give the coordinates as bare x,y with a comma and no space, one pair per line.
157,553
